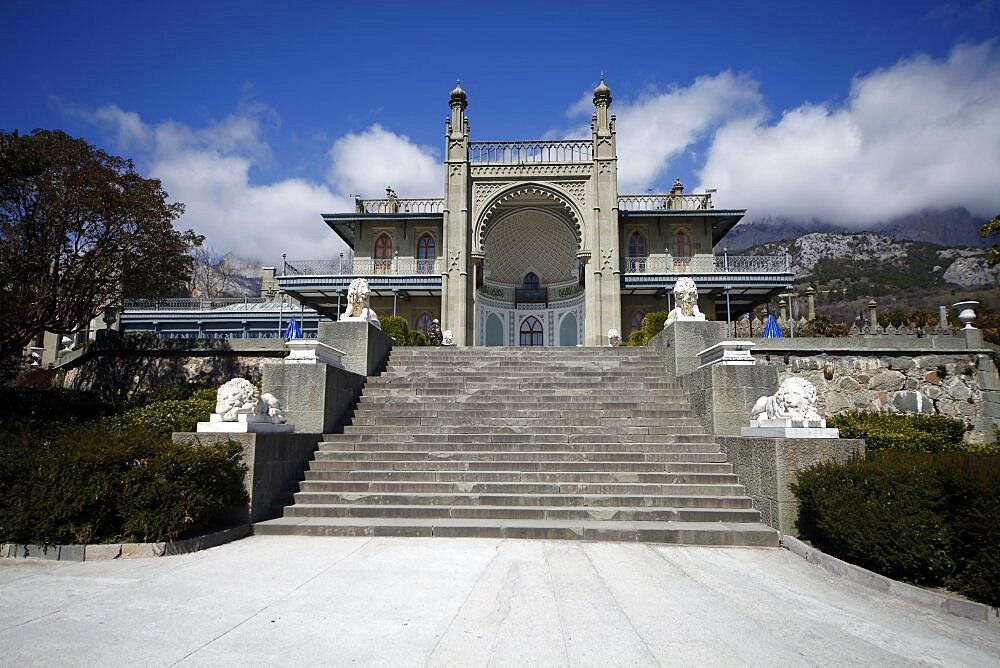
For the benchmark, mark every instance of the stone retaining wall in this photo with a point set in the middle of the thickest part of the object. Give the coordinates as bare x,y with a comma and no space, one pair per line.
119,370
958,384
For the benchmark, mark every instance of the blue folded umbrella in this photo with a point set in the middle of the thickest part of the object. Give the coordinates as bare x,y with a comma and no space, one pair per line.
293,331
771,329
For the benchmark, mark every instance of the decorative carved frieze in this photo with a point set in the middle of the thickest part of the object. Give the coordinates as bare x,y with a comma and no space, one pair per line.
484,191
606,258
455,261
526,171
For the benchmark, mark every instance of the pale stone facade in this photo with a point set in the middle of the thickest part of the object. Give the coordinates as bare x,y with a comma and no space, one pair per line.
532,244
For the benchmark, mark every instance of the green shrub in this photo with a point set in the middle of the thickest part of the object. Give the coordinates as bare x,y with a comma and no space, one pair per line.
396,327
931,519
87,484
652,324
163,417
180,489
824,327
897,431
177,391
26,404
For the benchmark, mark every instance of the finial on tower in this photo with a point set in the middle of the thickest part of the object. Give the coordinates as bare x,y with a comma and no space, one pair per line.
458,95
602,92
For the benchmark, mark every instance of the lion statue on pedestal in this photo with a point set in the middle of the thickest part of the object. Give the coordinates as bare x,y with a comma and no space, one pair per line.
795,400
685,302
358,294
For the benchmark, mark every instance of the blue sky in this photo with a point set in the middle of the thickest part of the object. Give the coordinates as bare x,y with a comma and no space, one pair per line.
260,115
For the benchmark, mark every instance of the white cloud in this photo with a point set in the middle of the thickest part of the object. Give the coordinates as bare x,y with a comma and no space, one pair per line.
369,161
658,126
209,170
923,133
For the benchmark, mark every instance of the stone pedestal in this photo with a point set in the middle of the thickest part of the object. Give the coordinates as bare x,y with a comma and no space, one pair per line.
727,353
245,424
314,397
768,467
275,463
313,351
366,347
681,341
788,428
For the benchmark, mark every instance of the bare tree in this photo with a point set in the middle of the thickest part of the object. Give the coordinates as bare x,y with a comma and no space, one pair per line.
213,274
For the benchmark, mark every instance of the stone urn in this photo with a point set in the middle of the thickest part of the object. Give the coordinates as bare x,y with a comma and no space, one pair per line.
966,312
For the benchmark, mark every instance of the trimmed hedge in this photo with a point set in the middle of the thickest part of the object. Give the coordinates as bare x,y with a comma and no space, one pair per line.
652,324
89,484
396,327
163,417
914,433
927,518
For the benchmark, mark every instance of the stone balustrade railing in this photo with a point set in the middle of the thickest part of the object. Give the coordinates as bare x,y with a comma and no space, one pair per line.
666,202
522,152
191,304
399,205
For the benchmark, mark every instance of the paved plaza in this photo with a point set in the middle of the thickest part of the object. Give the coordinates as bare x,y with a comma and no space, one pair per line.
449,602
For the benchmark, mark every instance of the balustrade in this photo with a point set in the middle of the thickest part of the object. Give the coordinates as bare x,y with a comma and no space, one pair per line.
519,152
397,205
360,266
665,202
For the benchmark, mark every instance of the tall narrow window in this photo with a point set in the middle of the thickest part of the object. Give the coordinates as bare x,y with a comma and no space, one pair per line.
636,253
531,332
382,262
530,281
425,254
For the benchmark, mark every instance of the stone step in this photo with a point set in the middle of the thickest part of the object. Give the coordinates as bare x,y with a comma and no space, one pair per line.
461,410
692,498
709,473
582,401
676,424
517,455
388,463
530,512
682,533
604,433
720,486
496,446
572,441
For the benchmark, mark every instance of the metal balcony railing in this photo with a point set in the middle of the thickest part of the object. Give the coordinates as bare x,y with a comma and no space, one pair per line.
707,264
360,266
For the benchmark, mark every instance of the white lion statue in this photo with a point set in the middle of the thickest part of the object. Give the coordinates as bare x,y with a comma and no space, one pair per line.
236,397
268,405
614,338
795,400
358,294
685,302
447,338
241,397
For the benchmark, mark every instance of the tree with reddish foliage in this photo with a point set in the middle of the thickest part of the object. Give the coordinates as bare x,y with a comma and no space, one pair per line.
79,231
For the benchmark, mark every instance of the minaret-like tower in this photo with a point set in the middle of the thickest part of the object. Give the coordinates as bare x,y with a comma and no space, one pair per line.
456,293
603,296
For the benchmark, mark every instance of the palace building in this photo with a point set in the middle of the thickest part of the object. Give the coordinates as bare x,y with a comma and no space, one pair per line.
532,244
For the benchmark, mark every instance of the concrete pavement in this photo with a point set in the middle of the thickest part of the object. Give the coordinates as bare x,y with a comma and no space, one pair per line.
415,601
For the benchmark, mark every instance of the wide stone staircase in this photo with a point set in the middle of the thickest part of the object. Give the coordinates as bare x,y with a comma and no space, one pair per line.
573,443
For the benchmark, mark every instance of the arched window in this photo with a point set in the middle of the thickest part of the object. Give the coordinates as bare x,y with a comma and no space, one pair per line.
637,253
636,324
425,254
382,263
530,281
531,331
423,323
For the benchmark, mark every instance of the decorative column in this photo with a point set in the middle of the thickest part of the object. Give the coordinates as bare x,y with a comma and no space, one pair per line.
810,303
603,296
456,294
783,311
873,314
